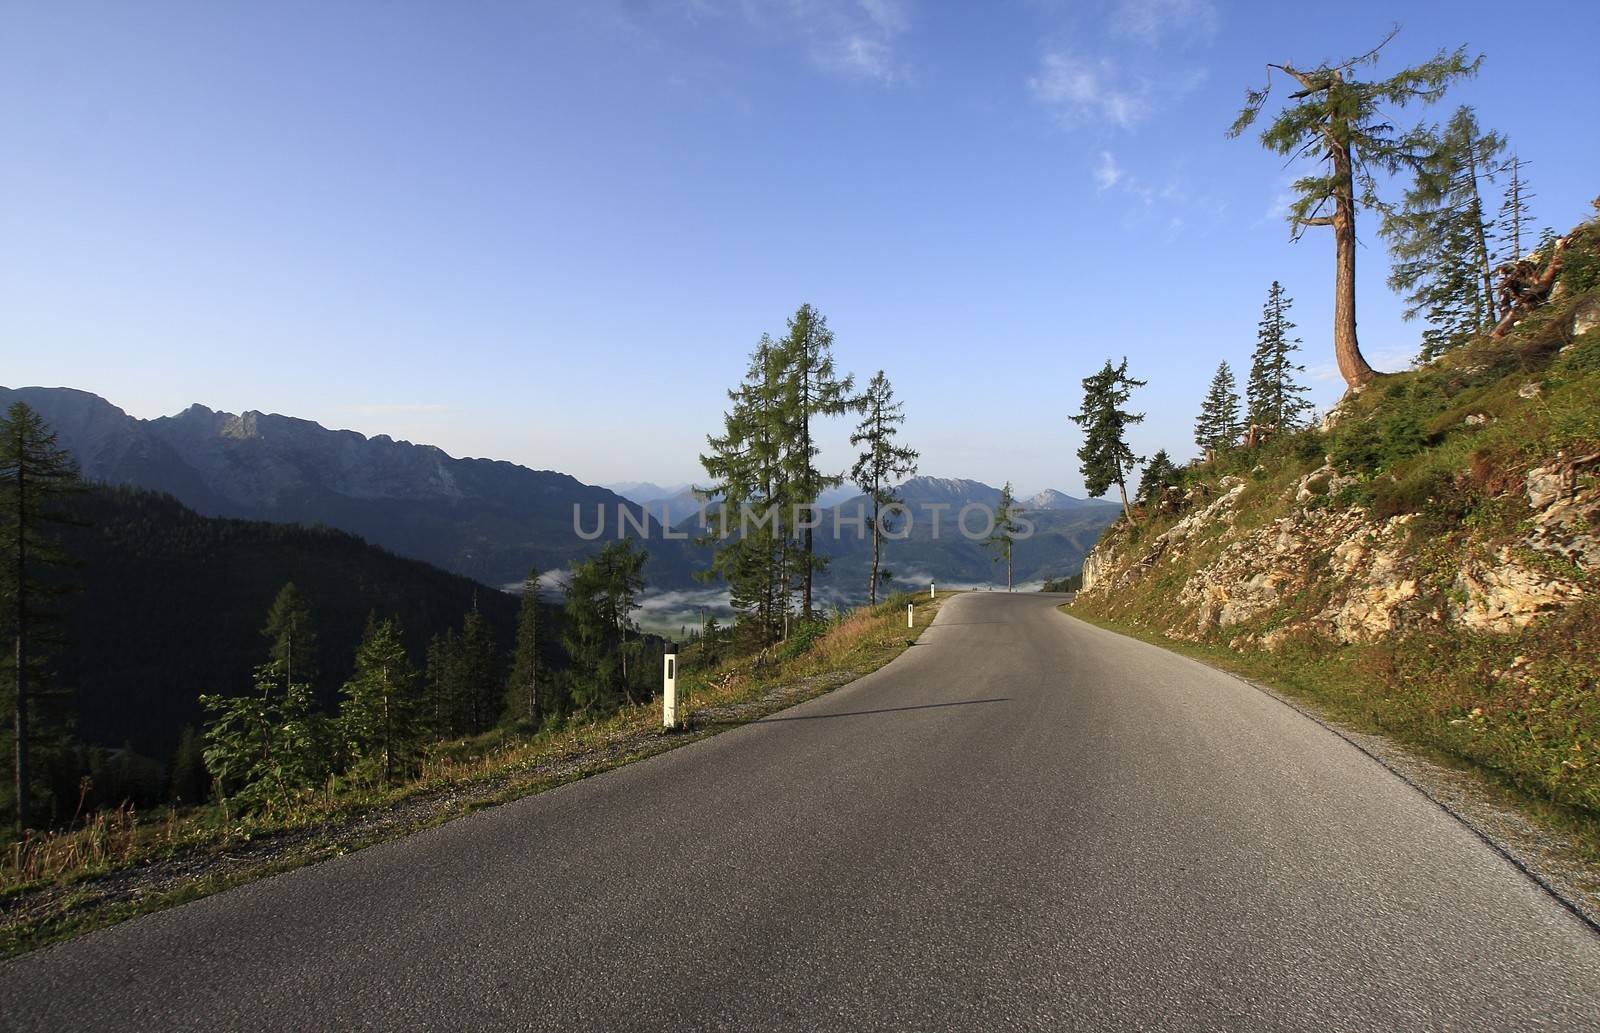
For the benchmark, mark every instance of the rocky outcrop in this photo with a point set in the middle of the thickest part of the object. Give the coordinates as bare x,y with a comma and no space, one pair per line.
1364,577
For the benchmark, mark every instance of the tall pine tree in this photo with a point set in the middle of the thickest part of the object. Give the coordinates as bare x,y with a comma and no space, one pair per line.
380,713
1217,428
35,475
601,594
1439,237
813,390
1002,538
749,476
293,635
1340,122
478,673
881,463
1105,458
524,701
1273,396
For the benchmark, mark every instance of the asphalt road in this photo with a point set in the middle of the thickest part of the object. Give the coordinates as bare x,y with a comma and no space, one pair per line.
1022,823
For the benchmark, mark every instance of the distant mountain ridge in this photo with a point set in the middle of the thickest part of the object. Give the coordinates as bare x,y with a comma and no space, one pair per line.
486,519
493,520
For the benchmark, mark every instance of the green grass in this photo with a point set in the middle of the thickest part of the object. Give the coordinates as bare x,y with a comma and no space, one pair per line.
118,866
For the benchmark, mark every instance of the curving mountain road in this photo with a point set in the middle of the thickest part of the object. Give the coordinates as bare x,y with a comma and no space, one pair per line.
1023,822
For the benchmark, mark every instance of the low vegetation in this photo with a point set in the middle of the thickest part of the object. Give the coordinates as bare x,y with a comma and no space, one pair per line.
111,864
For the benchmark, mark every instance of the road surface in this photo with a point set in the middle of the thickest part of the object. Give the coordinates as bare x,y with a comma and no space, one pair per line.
1022,823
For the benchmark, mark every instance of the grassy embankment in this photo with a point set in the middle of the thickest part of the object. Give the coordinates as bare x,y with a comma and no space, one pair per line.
121,864
1449,444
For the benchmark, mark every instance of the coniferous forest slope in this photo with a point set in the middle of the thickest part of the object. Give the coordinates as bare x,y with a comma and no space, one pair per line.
1427,559
170,604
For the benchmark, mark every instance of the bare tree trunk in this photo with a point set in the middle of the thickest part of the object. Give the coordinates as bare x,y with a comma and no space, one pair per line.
872,589
1346,347
1478,235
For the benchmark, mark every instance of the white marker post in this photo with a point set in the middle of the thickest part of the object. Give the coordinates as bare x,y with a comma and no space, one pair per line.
931,594
669,689
911,620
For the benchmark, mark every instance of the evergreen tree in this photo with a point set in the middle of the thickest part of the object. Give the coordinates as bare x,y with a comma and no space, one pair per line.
443,696
1339,121
1105,458
881,463
812,390
523,700
478,671
1218,429
189,782
1440,235
1003,536
1514,226
747,470
601,594
35,475
268,747
1272,395
379,714
293,635
1159,475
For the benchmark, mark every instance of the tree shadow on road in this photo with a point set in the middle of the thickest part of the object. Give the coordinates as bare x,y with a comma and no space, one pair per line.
884,710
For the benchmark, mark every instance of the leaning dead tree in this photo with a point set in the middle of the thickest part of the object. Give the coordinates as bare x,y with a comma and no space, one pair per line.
1525,285
1340,122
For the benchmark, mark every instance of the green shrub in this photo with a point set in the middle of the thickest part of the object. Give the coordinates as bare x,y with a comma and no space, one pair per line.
802,637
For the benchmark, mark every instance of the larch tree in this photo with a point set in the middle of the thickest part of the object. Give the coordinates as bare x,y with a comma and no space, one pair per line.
1439,236
35,476
1003,535
813,390
1514,222
523,701
379,714
1343,123
1273,397
442,685
479,673
293,635
601,593
748,477
881,463
1105,458
1217,428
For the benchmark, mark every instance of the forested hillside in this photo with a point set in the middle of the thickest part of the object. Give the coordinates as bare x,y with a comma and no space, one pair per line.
172,605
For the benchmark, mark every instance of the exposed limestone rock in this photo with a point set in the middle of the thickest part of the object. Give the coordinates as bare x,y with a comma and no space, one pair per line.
1586,316
1507,594
1369,574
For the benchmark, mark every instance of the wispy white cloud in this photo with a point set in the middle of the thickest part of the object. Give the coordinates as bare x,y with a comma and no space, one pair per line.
1107,174
1153,21
856,38
1083,91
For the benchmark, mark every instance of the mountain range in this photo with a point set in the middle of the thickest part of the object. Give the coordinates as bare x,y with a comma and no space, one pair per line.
486,519
493,520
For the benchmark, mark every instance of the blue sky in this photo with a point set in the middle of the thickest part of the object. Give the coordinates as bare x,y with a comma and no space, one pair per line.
551,232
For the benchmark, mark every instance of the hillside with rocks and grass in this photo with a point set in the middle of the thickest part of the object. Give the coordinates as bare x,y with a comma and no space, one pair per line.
1424,560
